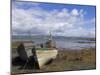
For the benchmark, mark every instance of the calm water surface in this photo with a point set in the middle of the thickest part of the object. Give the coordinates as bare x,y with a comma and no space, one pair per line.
63,42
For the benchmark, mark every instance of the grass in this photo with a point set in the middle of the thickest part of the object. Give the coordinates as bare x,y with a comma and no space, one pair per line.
67,60
73,60
15,44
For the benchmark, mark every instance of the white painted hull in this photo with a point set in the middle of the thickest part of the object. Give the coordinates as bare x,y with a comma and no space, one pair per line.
43,56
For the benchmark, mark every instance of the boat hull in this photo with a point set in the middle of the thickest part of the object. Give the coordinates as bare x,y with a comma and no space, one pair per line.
44,56
41,56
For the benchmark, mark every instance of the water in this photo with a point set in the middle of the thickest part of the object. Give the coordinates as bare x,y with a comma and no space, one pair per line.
62,42
74,43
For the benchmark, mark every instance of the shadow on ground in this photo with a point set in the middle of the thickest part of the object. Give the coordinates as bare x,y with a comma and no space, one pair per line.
30,64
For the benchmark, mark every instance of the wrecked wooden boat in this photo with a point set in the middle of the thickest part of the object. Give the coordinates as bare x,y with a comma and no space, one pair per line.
42,55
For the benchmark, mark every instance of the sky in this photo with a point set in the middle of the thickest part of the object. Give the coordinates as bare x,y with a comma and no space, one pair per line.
60,19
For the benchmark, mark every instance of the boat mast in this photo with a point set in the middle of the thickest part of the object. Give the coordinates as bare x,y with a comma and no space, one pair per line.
50,36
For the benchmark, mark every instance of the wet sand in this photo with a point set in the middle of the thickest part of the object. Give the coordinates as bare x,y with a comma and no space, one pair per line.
66,60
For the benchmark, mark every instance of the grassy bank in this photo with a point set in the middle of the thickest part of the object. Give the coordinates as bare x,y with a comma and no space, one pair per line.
66,60
73,60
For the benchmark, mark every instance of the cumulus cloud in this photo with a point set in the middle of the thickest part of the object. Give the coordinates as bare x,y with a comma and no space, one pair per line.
75,12
39,21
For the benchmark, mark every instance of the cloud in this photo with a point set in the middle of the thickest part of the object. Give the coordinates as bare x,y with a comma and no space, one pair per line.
75,12
39,21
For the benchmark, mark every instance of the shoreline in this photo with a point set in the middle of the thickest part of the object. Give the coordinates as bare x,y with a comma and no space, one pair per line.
73,46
